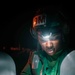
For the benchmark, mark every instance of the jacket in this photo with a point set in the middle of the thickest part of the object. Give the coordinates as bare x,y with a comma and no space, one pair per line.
39,63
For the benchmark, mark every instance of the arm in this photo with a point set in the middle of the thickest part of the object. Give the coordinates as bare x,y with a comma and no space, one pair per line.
27,68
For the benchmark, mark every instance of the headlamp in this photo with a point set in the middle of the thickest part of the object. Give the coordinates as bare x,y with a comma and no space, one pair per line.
51,36
46,37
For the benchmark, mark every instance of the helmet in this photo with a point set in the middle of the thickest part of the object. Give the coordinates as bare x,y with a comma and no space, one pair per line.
49,20
66,68
7,64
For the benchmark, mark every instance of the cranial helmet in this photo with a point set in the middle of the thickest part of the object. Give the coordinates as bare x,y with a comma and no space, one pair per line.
7,64
49,20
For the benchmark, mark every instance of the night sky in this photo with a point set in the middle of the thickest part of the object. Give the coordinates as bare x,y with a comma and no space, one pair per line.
15,25
16,21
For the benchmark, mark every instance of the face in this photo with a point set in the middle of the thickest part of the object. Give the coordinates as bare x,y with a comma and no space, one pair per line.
51,46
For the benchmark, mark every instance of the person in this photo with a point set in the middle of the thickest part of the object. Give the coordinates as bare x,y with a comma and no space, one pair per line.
51,30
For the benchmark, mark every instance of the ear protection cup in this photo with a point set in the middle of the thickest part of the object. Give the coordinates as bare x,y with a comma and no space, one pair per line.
33,33
65,29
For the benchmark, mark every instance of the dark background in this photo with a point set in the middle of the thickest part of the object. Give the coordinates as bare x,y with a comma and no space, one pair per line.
16,20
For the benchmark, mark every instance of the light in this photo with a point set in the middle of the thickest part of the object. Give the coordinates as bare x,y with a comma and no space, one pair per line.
44,37
47,37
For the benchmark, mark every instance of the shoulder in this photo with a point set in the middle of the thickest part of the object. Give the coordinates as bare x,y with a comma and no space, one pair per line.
31,55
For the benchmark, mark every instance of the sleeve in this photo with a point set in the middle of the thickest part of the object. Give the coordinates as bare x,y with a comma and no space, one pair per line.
27,68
